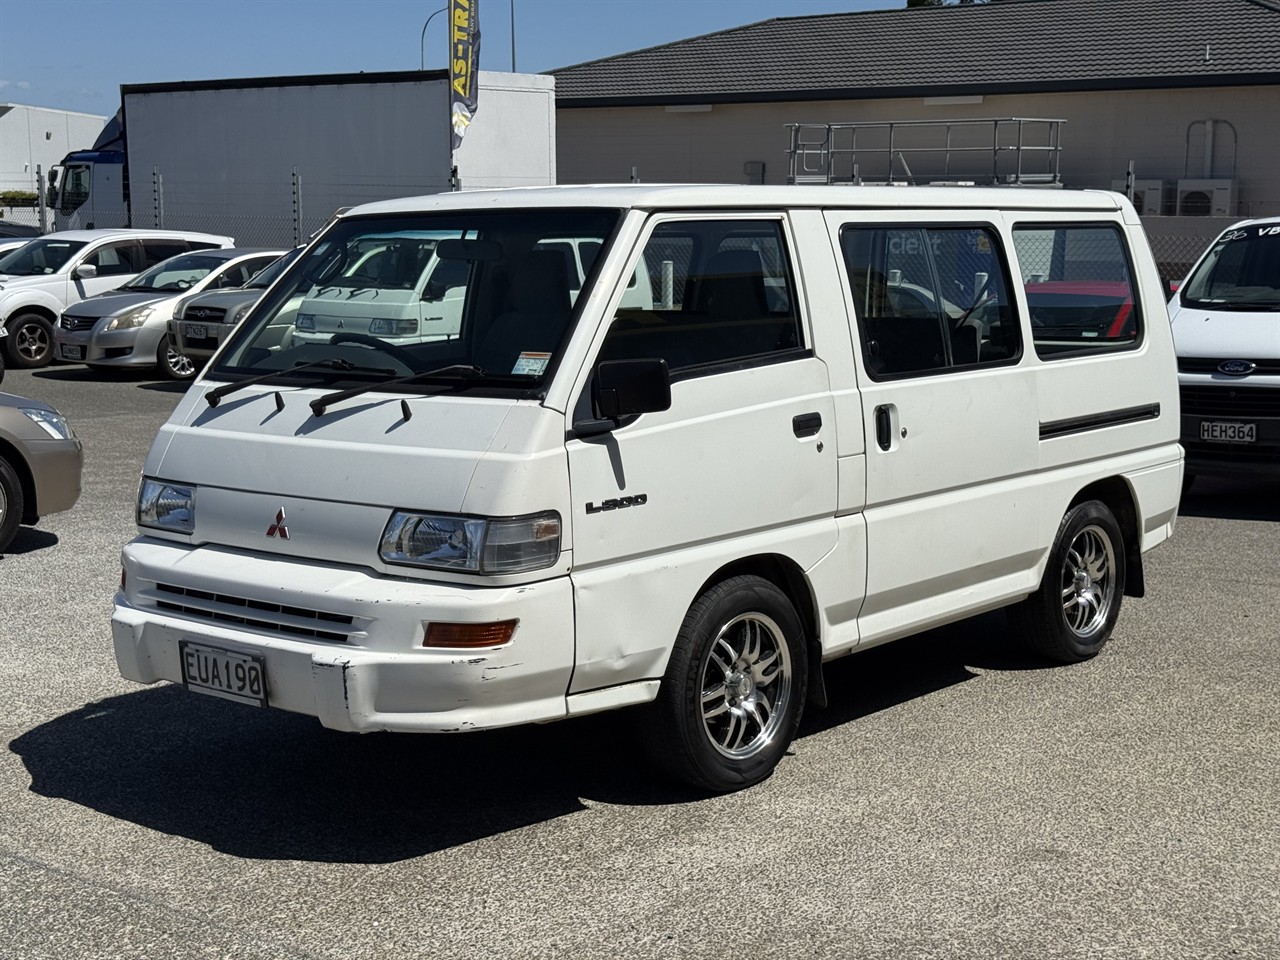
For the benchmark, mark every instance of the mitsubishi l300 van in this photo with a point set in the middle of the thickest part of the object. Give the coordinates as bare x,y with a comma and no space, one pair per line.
1226,330
768,427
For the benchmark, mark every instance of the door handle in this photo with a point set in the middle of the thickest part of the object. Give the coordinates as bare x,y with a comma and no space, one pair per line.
806,424
884,428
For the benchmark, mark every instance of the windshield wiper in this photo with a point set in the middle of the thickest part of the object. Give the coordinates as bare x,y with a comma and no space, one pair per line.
214,396
458,375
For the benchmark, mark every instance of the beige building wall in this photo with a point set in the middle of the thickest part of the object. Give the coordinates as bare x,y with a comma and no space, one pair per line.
1104,131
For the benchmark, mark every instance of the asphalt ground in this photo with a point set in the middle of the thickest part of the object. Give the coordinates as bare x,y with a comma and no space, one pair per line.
957,799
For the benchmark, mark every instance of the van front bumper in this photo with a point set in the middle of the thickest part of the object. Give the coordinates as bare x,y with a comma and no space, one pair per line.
367,669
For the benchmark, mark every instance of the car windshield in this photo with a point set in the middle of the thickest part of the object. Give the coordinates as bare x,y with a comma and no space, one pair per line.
39,257
177,273
267,275
473,296
1241,271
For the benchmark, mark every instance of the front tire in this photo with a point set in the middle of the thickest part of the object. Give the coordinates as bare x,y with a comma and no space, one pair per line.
731,698
30,341
11,504
172,364
1071,616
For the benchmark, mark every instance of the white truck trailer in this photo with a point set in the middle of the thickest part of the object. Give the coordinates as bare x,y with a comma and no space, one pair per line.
268,160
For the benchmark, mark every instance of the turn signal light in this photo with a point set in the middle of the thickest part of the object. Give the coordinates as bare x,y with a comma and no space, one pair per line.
469,634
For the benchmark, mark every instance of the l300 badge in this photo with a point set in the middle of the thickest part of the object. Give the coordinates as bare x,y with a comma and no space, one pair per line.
639,500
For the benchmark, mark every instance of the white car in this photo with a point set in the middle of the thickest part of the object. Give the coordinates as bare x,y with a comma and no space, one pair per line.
128,327
40,279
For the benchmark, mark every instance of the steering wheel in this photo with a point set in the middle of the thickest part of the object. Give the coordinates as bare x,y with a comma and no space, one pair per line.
391,350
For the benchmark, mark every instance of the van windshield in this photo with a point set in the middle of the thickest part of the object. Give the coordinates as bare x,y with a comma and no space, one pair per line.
481,295
38,257
1241,271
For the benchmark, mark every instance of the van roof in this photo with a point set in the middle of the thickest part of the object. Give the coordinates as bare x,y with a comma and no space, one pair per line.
703,196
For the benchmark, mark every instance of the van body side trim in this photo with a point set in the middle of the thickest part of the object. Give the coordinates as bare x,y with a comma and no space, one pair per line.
1097,421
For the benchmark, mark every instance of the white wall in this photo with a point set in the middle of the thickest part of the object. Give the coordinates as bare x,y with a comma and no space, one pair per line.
512,139
39,135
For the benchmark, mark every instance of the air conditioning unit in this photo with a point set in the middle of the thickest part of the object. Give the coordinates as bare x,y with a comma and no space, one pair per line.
1148,195
1206,198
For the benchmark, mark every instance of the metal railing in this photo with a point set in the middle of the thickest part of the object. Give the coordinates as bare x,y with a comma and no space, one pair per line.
1017,150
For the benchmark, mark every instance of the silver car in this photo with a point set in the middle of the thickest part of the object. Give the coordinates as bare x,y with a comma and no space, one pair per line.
128,327
40,463
202,322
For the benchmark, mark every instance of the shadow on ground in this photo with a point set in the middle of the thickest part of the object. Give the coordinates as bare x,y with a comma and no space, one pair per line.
29,540
272,785
144,378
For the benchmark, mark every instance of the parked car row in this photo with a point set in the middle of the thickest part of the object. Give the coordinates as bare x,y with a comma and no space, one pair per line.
105,297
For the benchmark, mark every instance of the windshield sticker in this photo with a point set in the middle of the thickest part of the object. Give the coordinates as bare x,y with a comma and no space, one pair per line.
531,364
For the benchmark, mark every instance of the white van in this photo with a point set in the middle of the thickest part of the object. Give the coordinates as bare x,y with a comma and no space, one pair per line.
1226,330
838,417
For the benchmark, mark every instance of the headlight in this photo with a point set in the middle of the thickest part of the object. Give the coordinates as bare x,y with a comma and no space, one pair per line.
131,318
383,327
470,544
166,506
305,321
238,314
54,424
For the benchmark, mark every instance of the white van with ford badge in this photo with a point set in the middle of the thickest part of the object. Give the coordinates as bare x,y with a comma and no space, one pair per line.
835,418
1226,330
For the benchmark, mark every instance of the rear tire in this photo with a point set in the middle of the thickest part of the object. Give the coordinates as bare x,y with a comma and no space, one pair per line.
1071,616
30,341
734,689
12,504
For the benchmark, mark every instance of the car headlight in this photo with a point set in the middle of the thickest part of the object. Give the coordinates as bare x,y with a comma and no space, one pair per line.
130,318
305,321
238,314
384,327
472,544
54,424
166,506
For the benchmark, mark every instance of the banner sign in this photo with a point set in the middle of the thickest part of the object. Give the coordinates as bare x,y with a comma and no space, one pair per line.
464,64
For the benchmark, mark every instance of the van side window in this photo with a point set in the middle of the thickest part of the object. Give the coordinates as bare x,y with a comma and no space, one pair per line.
715,292
116,259
930,299
1079,288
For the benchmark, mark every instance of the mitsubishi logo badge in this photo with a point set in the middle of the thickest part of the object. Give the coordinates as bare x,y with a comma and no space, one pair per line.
278,528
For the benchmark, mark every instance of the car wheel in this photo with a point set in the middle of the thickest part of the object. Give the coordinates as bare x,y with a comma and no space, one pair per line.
731,698
1071,616
174,365
30,341
11,504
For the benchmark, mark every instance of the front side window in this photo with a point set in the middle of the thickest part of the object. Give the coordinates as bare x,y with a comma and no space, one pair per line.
929,299
1241,271
115,259
75,188
157,251
709,293
1079,288
470,298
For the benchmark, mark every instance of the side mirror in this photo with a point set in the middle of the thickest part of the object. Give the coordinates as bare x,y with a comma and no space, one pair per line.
434,291
86,271
628,388
1174,285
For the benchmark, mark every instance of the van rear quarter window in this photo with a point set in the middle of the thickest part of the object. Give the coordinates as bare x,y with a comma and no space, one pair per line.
1079,288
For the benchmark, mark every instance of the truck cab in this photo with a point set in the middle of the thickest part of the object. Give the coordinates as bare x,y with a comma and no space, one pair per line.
88,191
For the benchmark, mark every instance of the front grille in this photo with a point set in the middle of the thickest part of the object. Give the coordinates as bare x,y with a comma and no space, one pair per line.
205,314
200,343
1224,401
1200,452
76,324
256,614
1210,364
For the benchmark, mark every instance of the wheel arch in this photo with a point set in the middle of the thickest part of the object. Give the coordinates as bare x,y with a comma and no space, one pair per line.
14,458
785,574
1117,494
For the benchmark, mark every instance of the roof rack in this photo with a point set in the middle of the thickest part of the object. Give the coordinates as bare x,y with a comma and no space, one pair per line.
1013,150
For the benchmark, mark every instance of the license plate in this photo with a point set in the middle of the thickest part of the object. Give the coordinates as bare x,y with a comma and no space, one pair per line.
223,673
69,352
1224,432
197,331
